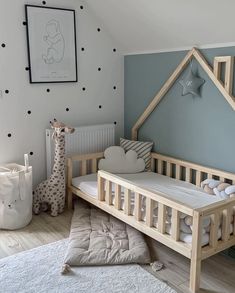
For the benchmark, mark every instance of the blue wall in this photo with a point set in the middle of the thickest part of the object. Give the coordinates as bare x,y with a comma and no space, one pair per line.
200,129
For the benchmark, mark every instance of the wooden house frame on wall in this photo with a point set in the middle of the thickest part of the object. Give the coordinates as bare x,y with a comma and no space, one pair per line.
213,73
228,76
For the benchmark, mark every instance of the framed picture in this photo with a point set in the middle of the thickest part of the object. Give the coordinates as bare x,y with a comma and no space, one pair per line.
51,38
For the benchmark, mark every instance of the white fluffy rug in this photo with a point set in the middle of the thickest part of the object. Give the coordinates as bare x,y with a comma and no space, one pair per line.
38,270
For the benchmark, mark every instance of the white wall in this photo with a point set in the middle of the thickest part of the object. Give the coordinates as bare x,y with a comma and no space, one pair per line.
28,131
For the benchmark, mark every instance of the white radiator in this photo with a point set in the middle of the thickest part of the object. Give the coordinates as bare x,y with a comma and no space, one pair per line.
85,139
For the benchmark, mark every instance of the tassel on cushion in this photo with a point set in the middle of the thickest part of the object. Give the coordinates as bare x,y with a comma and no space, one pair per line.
65,269
157,266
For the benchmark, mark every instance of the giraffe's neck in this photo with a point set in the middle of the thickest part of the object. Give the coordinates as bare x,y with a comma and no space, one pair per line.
59,160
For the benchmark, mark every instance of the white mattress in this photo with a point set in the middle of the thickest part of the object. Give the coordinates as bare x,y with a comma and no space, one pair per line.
184,192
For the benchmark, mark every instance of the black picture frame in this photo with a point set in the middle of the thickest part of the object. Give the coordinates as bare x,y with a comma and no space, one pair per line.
52,72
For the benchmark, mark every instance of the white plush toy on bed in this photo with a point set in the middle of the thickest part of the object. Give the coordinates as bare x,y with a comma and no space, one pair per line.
117,161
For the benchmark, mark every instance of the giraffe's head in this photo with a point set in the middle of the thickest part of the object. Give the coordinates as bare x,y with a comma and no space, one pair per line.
60,129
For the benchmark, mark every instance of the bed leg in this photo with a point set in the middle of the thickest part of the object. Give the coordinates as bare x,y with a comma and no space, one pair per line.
69,199
195,266
195,273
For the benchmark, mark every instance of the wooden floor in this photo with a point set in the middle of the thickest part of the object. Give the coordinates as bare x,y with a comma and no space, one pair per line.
218,272
43,229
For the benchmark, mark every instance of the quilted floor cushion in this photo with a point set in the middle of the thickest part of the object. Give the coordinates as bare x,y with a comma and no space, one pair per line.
96,238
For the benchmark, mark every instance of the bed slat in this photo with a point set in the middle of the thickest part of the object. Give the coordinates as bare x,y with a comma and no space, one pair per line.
177,172
137,206
149,212
94,165
127,201
101,194
198,178
159,166
215,218
188,174
168,169
108,192
117,199
84,167
161,218
209,176
226,216
175,222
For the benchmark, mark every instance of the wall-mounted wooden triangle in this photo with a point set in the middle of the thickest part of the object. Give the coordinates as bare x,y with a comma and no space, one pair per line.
194,53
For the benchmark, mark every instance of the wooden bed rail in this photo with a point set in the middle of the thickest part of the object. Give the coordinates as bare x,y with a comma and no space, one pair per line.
222,213
222,227
119,182
88,164
123,200
187,171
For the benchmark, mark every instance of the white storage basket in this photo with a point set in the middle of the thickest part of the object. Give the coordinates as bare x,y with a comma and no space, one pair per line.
15,196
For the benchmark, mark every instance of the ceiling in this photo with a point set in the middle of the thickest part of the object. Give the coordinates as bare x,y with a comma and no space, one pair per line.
141,26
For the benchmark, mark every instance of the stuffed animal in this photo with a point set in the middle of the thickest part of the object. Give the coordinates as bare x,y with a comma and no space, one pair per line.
51,192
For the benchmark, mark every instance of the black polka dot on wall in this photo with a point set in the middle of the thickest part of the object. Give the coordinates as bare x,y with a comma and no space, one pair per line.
100,106
114,87
29,112
81,7
27,68
98,29
3,45
99,69
48,90
114,50
67,109
115,122
24,22
9,134
44,2
6,91
83,88
31,153
83,49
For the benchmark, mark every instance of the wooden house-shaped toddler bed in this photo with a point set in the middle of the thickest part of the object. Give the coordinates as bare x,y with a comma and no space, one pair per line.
124,197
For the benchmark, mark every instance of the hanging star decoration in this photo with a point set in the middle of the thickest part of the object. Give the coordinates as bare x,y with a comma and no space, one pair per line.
191,84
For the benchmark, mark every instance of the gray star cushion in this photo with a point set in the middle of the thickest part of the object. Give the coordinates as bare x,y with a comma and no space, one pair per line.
191,84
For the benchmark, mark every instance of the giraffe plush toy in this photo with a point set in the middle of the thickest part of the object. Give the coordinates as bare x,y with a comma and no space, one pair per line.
51,192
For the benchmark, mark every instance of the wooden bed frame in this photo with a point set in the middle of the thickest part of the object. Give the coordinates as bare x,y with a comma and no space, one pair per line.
174,168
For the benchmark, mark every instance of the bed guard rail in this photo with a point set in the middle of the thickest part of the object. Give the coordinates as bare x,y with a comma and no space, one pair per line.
128,199
221,214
